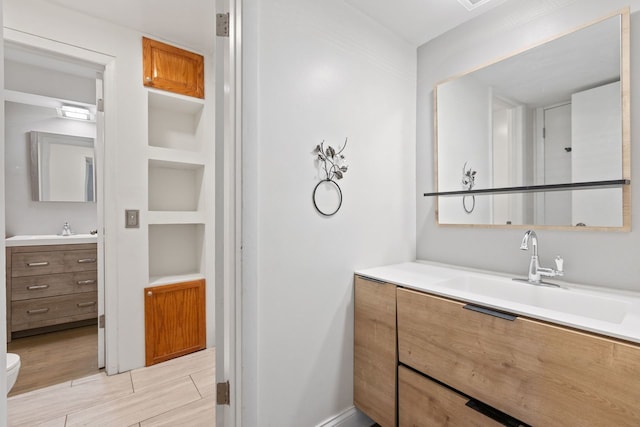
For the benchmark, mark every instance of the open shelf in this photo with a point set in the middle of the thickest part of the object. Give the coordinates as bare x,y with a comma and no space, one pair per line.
175,250
175,186
536,188
175,217
188,158
178,278
174,121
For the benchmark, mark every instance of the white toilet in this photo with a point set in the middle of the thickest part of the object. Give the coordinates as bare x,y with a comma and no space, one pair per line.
13,366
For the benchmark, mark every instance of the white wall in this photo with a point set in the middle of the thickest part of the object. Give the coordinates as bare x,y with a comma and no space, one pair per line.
471,100
317,71
23,215
599,258
127,266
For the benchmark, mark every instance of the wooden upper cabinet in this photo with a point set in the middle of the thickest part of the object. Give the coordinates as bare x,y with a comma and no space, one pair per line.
172,69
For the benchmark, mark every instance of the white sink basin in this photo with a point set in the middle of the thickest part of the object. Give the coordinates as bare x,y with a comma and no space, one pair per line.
49,239
568,301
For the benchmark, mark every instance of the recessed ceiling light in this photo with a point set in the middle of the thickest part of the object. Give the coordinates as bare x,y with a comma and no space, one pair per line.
472,4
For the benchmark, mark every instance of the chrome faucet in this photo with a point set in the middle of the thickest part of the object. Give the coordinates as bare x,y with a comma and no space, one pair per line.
535,271
66,230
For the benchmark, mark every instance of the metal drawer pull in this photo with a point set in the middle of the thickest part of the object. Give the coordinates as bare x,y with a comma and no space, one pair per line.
38,311
36,287
86,304
494,414
86,282
38,264
494,313
86,260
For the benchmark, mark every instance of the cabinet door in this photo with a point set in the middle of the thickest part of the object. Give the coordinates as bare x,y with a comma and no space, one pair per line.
423,402
174,318
542,374
375,355
172,69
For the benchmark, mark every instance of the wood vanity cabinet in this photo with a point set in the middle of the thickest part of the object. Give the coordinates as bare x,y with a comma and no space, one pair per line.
50,285
375,355
172,69
540,373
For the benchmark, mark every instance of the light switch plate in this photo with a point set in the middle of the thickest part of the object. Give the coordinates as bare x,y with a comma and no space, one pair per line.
132,218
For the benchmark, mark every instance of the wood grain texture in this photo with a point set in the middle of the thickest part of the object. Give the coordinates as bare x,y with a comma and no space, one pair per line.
422,402
375,356
48,285
40,312
46,359
175,320
9,291
172,69
539,373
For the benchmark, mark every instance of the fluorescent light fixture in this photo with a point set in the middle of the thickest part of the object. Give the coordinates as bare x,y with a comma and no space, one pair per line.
75,112
472,4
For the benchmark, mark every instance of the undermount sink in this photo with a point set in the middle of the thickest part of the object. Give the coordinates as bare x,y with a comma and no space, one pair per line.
568,301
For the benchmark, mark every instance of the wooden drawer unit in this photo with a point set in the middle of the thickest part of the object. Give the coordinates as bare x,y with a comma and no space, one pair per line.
542,374
375,356
50,285
29,287
36,313
423,402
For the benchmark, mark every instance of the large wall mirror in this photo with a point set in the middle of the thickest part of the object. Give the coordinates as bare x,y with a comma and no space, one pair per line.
556,114
62,168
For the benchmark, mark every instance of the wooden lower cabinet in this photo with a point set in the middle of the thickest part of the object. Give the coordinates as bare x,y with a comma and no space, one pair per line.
175,320
375,355
423,402
539,373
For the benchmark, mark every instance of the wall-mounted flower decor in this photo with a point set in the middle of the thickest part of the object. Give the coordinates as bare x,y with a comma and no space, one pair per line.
468,182
331,162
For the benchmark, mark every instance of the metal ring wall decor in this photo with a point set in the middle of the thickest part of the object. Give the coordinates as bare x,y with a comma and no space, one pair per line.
331,161
468,181
315,203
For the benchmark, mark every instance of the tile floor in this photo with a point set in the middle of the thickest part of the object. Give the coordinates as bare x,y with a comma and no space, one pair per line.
180,392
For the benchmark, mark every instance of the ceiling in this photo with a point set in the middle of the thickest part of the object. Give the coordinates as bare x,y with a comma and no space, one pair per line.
190,22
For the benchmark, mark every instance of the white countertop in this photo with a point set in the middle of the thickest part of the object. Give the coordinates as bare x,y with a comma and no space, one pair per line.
609,312
50,239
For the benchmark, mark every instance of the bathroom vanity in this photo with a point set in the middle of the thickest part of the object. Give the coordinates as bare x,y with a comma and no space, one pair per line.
437,345
50,283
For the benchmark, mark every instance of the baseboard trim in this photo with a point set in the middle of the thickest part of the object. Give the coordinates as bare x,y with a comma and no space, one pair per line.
350,417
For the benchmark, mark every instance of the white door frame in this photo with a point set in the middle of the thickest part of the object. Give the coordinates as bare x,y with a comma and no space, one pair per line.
107,300
228,89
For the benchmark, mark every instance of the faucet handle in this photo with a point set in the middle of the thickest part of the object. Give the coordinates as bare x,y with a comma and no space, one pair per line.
559,263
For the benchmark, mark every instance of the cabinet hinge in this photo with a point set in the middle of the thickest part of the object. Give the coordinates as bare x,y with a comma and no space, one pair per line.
544,133
101,321
222,393
222,24
100,105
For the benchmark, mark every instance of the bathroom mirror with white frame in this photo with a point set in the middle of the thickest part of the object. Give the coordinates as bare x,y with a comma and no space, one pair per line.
516,137
62,168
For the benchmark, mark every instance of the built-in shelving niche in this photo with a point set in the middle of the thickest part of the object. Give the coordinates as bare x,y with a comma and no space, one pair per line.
176,252
175,186
174,121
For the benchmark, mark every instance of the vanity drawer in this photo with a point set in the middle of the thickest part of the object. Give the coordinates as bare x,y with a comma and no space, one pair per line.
48,262
423,402
49,311
48,285
542,374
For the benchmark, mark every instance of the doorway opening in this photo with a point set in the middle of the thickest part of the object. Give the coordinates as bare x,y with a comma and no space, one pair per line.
53,186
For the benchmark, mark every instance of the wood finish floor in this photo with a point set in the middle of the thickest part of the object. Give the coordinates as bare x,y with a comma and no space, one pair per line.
55,357
179,392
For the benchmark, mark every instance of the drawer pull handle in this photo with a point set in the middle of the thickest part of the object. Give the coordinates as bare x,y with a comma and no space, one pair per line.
38,264
494,414
36,287
86,260
86,282
494,313
38,311
86,304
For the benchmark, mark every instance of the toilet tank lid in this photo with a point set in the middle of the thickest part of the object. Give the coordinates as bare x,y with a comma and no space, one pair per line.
12,360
